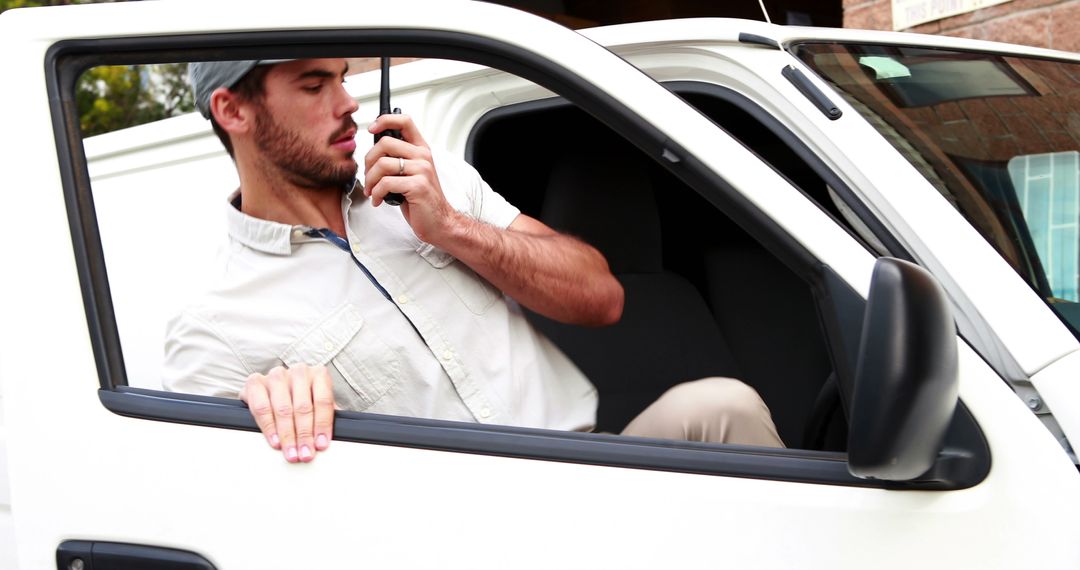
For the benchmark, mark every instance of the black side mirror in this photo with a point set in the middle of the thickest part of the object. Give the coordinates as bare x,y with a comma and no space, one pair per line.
906,378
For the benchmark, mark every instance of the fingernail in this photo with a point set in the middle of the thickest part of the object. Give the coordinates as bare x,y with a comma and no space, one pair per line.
305,453
290,454
321,441
371,126
275,441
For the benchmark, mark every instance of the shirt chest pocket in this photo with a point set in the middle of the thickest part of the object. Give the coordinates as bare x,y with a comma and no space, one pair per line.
363,367
473,290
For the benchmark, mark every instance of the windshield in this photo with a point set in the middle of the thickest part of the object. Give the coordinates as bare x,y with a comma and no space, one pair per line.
997,135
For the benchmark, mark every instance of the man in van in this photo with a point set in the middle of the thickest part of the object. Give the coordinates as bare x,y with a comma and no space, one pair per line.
330,297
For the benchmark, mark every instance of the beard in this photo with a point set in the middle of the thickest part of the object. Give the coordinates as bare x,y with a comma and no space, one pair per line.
300,161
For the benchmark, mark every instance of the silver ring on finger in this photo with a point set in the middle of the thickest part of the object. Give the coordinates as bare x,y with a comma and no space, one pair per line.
401,166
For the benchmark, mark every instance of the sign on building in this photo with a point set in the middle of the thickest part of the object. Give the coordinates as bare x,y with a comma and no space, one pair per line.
909,13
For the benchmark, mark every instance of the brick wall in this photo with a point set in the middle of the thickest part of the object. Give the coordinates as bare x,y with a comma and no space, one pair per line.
1040,23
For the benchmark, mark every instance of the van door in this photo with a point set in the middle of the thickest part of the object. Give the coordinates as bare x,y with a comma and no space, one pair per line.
103,462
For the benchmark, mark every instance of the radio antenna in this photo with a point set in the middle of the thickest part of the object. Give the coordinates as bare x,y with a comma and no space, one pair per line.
384,91
764,11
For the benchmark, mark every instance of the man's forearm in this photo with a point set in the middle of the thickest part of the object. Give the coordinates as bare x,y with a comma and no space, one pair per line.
553,274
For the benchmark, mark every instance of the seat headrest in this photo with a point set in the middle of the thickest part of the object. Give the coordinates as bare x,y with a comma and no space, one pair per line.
607,201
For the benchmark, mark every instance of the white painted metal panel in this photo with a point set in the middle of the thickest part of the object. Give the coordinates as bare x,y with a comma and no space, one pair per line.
80,471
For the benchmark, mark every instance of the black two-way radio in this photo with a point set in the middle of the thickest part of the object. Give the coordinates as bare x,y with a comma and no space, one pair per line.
392,198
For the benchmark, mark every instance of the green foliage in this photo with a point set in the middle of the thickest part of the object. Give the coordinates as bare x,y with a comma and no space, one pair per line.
7,4
116,97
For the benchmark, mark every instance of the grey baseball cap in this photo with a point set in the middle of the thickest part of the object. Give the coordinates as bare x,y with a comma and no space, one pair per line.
206,76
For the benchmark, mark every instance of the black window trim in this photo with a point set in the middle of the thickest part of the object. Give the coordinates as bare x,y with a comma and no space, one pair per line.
66,60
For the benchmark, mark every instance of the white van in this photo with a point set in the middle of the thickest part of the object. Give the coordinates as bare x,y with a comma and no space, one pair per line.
877,231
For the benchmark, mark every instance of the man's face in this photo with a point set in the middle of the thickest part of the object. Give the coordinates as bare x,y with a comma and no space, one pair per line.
304,125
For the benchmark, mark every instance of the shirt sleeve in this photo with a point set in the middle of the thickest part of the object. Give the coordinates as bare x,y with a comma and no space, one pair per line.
199,360
469,193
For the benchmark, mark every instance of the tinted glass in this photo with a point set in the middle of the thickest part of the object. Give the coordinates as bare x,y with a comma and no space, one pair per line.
997,135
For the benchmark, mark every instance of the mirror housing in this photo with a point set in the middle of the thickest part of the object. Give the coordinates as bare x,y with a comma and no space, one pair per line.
906,378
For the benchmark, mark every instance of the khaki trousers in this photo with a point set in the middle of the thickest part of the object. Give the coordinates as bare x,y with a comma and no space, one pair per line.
715,410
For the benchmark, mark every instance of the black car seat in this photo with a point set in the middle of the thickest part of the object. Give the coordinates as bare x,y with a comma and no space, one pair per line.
667,334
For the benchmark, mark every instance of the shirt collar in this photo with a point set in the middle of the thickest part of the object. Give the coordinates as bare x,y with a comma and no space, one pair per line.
268,236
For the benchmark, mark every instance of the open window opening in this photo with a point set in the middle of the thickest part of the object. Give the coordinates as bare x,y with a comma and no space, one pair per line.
745,308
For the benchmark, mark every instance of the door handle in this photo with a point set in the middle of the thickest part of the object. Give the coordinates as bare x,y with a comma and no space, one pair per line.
92,555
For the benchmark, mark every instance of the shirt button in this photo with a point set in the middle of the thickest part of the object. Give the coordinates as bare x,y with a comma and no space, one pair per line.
297,234
402,299
447,355
356,248
485,412
328,346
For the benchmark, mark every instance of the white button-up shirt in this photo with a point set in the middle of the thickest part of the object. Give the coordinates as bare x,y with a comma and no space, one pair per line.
446,344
